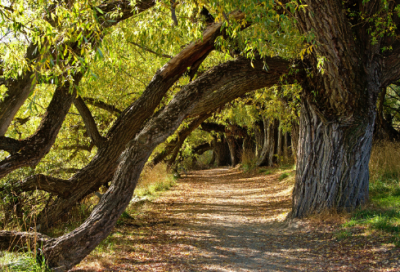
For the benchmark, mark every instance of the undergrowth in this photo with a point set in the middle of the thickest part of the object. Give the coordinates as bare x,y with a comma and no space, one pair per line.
152,182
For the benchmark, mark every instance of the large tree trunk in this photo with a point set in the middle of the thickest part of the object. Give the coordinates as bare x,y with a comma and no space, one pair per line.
332,164
267,156
338,106
222,153
235,149
294,139
280,146
259,137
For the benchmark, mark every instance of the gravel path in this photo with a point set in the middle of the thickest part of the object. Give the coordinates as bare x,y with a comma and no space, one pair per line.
237,220
225,220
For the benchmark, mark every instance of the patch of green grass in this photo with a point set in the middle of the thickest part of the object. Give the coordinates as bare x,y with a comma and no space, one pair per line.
343,234
265,171
383,213
17,261
154,188
283,176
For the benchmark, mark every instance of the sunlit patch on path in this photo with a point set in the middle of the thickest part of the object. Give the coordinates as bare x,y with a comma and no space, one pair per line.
225,220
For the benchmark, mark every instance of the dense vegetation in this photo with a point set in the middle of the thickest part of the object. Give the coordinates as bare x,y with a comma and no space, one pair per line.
93,90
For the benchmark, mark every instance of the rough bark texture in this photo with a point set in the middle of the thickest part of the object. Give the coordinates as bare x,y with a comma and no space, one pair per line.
268,152
30,151
339,106
174,146
222,152
236,75
332,165
64,252
104,164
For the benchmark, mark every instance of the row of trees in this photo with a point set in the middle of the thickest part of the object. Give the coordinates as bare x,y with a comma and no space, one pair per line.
93,87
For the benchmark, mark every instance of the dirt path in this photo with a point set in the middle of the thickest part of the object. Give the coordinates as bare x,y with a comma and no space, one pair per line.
224,220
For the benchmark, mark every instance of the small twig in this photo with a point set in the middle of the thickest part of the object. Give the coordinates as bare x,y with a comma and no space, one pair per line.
151,51
173,12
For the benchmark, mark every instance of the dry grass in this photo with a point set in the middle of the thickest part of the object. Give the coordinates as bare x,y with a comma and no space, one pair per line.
385,161
154,179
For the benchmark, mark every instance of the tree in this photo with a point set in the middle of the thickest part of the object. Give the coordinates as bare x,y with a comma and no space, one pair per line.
352,60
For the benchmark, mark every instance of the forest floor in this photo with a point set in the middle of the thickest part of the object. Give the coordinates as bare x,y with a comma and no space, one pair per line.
227,220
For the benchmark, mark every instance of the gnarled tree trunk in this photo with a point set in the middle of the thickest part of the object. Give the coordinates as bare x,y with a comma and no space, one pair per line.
267,156
222,153
332,165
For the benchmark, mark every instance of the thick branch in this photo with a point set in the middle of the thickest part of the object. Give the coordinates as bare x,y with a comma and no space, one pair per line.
34,148
49,184
209,127
17,92
262,78
90,124
200,149
182,135
10,145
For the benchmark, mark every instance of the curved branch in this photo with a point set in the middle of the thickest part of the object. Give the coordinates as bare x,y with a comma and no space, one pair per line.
34,148
10,145
181,137
49,184
102,105
90,124
258,77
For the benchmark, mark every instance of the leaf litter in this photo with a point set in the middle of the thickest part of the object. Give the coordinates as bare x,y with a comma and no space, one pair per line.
226,220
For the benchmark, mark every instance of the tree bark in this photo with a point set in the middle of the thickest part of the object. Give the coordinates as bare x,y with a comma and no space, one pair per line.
339,106
31,150
259,137
174,146
285,147
279,146
332,164
222,153
233,150
384,130
267,157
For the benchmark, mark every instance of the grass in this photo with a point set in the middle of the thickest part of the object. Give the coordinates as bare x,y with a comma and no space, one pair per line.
17,261
154,180
382,214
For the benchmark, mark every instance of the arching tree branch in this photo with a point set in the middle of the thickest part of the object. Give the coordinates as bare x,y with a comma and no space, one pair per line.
89,121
